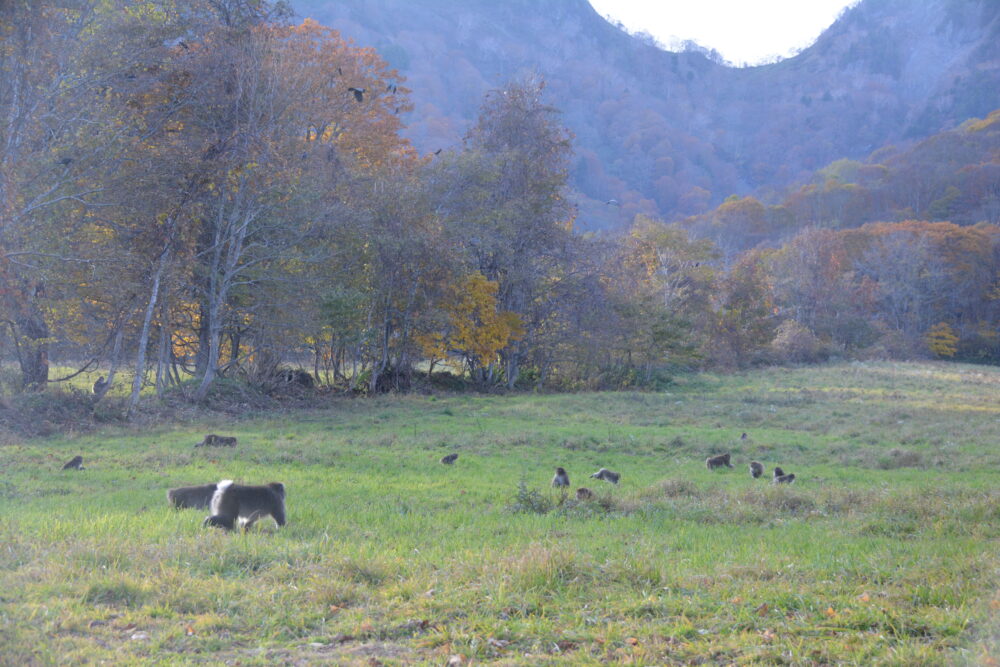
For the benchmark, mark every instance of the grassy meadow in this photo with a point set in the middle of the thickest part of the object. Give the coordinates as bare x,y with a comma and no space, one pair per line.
884,551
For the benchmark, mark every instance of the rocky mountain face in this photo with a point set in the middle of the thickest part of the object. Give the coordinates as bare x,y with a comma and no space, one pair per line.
673,134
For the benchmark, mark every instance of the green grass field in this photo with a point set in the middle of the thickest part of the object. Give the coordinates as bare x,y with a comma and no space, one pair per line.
884,551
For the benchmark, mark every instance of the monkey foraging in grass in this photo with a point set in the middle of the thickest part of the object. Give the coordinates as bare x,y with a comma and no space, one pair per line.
607,475
561,479
234,504
784,479
778,472
196,497
448,459
583,493
212,440
76,463
756,469
722,460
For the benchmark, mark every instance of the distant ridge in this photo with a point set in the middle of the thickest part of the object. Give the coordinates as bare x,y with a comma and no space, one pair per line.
673,134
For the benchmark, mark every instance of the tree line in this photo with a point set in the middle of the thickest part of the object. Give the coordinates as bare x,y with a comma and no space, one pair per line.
208,189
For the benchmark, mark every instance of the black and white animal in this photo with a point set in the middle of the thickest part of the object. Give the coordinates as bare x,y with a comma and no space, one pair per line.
75,463
448,459
778,472
720,461
756,469
607,475
359,93
561,479
784,479
235,504
196,497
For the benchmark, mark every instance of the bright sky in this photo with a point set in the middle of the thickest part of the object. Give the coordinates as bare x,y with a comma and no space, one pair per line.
743,31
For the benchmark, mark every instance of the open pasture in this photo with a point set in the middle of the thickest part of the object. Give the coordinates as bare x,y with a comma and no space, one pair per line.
883,551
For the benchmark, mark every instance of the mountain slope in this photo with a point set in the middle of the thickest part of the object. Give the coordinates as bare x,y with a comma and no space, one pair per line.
673,134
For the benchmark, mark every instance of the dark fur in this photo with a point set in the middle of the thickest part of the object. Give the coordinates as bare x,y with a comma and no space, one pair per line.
448,459
583,493
76,463
778,472
235,503
756,469
196,497
560,478
212,440
713,462
785,479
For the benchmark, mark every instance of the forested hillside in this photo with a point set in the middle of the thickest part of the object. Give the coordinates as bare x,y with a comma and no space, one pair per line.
674,134
952,176
225,193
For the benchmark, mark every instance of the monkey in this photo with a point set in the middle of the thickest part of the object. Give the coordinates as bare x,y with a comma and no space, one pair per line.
196,497
448,459
607,475
100,386
713,462
756,469
234,504
76,463
784,479
778,472
744,436
359,93
212,440
561,479
583,493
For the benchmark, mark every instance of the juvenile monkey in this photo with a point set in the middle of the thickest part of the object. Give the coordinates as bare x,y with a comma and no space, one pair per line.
197,497
212,440
449,459
756,469
607,475
784,479
76,463
100,385
561,479
583,493
713,462
234,504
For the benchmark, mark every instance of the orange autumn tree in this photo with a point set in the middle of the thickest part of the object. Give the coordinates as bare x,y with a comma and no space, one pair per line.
474,328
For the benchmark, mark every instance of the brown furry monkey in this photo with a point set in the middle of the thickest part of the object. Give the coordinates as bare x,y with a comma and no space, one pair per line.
212,440
756,469
720,461
448,459
583,493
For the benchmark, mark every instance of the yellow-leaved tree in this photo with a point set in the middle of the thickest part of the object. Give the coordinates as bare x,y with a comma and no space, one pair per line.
474,328
941,340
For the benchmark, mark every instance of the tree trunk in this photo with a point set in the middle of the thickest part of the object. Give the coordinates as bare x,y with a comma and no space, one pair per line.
140,357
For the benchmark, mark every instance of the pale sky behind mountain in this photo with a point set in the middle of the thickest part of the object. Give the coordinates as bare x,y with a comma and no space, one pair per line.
743,31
